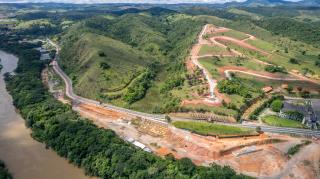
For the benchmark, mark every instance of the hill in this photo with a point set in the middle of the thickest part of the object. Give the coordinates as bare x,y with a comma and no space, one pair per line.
135,54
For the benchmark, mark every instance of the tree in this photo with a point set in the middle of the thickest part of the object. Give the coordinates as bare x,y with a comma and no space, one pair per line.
258,129
317,63
167,118
293,61
101,54
305,94
276,105
289,89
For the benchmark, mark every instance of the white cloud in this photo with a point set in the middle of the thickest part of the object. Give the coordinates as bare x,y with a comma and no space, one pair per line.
123,1
119,1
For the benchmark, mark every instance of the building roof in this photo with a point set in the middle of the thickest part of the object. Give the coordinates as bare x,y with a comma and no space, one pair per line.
267,89
139,144
284,86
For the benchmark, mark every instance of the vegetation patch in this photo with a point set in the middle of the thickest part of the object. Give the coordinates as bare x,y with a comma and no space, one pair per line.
234,86
234,34
261,44
209,49
295,149
100,152
4,173
276,105
275,69
109,59
205,128
280,122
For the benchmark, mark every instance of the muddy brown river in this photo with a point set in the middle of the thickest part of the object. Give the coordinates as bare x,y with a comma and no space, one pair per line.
25,157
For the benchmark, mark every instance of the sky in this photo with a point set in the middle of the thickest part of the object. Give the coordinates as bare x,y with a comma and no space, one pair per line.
122,1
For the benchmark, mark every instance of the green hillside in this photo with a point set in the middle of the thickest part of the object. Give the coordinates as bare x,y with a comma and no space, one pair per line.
130,55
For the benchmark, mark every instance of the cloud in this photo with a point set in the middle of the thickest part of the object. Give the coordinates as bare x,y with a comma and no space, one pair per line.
119,1
124,1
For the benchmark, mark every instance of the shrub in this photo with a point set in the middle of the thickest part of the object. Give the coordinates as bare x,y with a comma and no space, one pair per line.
4,173
294,115
276,105
172,83
295,149
101,54
293,61
234,87
255,113
104,65
274,69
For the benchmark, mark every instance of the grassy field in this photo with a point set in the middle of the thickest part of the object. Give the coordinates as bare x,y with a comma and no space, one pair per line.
206,49
217,110
212,64
279,122
281,58
262,82
205,128
125,64
233,33
266,46
28,24
104,61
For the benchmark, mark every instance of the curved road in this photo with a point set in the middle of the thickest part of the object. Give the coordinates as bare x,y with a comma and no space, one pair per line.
194,59
76,98
160,118
227,73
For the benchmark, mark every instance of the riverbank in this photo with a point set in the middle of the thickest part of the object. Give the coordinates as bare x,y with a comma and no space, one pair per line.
25,157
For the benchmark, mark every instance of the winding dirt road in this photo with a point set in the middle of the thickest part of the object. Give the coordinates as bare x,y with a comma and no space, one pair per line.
219,41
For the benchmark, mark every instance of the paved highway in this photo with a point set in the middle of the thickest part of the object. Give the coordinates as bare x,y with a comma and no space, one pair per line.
160,118
76,98
283,130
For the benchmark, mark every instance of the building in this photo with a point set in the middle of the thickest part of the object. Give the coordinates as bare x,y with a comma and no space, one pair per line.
308,110
267,89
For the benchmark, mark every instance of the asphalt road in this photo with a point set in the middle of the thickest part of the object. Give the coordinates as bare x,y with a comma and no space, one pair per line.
160,118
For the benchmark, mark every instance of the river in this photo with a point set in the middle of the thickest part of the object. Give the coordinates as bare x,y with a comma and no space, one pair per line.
25,157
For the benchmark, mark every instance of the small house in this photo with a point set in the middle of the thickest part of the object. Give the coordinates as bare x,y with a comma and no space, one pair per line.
267,89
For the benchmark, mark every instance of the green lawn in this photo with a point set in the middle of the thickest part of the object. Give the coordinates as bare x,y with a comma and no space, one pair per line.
206,128
206,49
262,45
279,57
280,122
220,110
234,34
212,64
